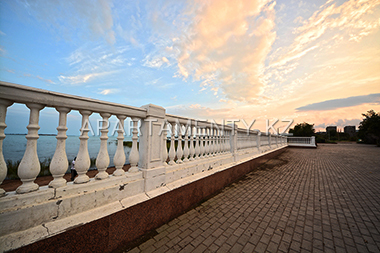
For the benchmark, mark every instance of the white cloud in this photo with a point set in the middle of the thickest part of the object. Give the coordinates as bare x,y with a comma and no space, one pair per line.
90,62
82,79
227,46
348,19
108,91
45,80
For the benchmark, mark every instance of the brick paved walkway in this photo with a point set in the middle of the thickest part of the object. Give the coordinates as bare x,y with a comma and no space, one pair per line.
306,200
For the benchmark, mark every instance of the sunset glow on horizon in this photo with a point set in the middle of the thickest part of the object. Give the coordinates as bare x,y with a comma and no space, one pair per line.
311,61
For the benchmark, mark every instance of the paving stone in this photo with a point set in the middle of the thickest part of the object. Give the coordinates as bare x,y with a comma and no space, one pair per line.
201,248
189,248
163,248
237,248
161,242
220,240
147,244
249,247
224,248
232,240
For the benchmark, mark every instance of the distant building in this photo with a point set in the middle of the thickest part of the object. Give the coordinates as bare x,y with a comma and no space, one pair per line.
330,128
350,130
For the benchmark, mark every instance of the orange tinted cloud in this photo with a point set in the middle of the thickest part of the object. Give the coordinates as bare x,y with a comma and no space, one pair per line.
228,46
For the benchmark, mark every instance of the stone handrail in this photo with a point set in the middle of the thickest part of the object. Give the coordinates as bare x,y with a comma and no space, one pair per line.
196,149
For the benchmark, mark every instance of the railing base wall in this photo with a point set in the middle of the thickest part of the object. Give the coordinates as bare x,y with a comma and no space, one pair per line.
140,214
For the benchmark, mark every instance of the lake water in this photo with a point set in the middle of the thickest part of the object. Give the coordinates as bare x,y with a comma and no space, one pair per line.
14,147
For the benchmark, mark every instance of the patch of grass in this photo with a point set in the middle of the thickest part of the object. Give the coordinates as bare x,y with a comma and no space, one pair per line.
45,164
13,166
93,162
45,167
129,144
12,169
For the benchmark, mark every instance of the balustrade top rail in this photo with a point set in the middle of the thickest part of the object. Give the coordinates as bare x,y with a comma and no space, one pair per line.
24,94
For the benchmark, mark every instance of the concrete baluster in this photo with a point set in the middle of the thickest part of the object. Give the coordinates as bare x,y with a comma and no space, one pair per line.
103,158
216,141
210,145
201,144
227,142
165,146
59,163
82,163
215,137
258,140
172,145
217,144
192,149
312,140
204,143
212,141
134,155
30,167
119,157
207,144
222,138
186,150
179,147
220,142
3,166
197,147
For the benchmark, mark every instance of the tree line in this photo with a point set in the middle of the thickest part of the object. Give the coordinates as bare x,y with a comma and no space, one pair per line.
369,131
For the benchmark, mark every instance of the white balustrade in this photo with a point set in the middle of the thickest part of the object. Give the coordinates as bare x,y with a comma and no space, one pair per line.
301,141
59,162
3,166
134,155
30,167
103,159
119,157
216,146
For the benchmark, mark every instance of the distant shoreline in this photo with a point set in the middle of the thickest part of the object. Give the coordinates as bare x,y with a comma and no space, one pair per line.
42,134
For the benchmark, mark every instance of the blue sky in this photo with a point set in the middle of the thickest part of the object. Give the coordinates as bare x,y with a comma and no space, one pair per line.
202,59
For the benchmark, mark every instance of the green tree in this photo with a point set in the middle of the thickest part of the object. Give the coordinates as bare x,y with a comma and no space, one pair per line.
369,128
303,129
